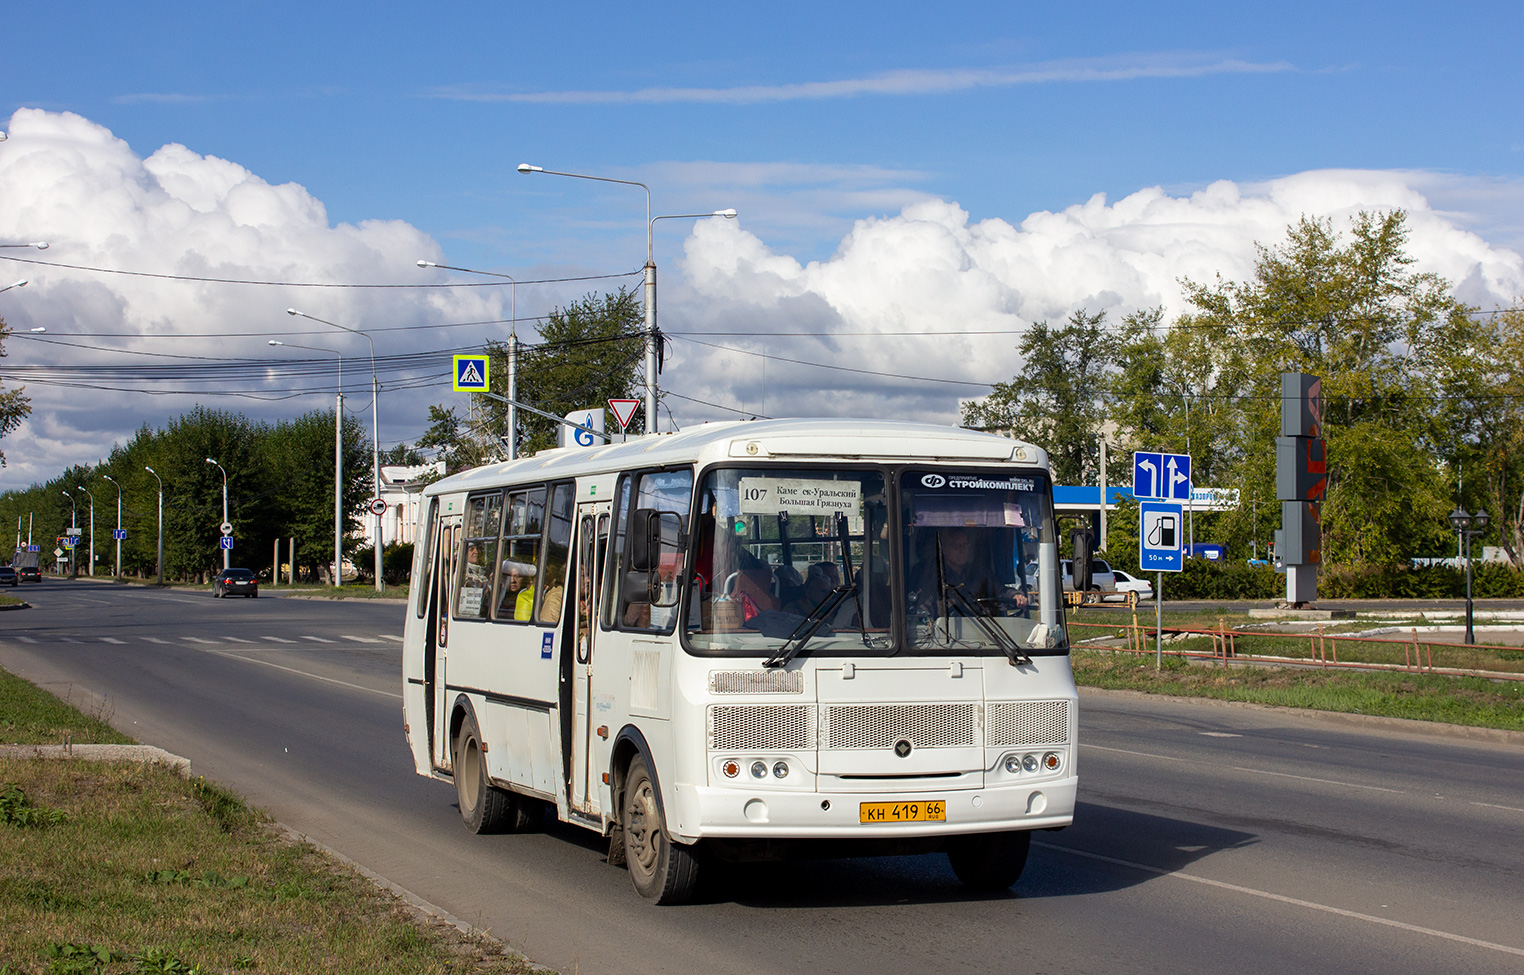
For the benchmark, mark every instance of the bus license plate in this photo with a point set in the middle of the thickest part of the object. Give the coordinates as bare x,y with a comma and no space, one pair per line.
926,811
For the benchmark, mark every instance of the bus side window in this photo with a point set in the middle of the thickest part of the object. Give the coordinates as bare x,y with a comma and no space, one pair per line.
669,496
518,571
473,596
557,547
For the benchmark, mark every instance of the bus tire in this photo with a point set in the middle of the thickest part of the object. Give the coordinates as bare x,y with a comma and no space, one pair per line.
989,861
484,807
663,872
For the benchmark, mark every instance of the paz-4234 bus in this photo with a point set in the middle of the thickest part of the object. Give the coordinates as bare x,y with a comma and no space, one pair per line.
751,639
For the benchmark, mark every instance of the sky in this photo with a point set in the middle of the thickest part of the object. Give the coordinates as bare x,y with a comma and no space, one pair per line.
916,185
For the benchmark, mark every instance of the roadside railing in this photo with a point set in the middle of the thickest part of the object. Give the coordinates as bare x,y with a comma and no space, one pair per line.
1224,645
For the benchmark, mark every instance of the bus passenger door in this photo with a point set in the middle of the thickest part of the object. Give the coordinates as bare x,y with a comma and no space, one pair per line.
592,548
442,581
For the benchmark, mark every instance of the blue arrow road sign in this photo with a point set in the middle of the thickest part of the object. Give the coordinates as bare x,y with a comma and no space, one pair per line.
118,533
34,548
226,541
1166,477
1159,535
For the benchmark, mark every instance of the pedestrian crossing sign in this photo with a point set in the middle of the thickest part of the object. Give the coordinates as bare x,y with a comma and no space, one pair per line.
471,374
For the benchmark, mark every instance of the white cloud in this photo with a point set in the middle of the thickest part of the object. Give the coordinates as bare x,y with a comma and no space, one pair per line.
889,83
70,181
902,293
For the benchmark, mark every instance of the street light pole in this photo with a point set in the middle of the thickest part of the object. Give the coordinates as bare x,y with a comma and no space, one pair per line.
338,464
80,487
226,552
513,352
118,533
1462,522
375,430
156,477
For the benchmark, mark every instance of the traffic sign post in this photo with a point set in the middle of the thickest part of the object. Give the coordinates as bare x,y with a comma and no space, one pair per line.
378,506
624,411
119,533
1159,551
1161,477
226,541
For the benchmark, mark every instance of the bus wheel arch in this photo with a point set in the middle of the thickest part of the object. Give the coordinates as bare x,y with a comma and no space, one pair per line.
662,871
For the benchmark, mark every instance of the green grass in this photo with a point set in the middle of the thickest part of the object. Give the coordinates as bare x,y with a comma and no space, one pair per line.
118,867
1469,701
31,716
10,601
130,867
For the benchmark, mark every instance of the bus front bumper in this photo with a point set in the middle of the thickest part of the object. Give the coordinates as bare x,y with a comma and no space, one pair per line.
701,812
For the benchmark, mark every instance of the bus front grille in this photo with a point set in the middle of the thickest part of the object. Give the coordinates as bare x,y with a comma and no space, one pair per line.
882,725
1018,723
765,727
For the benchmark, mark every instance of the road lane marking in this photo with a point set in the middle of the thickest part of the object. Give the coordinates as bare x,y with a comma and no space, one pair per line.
25,639
197,639
359,639
1493,805
1241,768
1294,901
238,655
237,639
112,639
278,639
159,640
388,636
317,639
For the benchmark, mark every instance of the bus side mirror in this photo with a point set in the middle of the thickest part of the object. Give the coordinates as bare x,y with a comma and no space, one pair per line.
645,539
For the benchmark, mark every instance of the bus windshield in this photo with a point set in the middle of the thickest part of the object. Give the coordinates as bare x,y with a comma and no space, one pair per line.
976,548
781,549
790,560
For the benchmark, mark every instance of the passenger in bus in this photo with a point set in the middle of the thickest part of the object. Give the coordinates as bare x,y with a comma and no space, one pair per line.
518,589
966,564
822,578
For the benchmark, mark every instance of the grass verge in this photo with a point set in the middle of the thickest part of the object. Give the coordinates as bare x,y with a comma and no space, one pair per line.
31,716
124,867
1472,701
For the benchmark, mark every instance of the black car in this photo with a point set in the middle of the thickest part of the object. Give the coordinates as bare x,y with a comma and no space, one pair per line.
9,576
30,573
235,582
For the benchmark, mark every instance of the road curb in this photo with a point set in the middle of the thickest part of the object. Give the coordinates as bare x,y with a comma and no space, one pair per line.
1411,726
100,753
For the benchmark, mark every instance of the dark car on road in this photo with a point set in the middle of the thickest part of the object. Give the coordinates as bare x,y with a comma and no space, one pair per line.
30,573
235,582
9,576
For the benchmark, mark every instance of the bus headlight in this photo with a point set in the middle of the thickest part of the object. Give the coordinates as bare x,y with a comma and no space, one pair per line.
1013,764
780,770
1029,763
759,770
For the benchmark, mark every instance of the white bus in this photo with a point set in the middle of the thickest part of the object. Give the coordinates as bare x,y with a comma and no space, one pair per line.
751,639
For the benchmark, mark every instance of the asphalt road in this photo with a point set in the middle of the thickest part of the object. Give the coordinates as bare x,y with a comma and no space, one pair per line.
1208,838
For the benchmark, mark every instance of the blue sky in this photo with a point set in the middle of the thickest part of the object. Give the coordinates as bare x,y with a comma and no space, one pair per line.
820,123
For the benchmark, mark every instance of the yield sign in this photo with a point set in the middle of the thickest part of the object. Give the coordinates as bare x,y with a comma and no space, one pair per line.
624,410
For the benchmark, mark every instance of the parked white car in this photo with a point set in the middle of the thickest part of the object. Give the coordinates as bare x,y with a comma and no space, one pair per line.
1129,584
1101,576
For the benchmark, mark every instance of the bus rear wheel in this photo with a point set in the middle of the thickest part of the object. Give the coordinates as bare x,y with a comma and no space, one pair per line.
663,871
989,861
484,807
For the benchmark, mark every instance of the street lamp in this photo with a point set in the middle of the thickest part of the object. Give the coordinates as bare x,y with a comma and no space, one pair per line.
375,428
79,487
19,284
1462,522
156,477
651,337
41,245
338,463
226,552
118,533
73,534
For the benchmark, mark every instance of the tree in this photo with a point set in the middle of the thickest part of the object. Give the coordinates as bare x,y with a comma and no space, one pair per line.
14,405
591,351
1355,314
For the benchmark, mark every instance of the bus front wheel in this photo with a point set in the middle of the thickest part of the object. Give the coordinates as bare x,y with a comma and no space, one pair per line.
989,861
663,871
484,807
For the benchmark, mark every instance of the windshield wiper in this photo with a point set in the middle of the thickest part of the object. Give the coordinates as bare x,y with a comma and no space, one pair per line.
984,618
810,625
